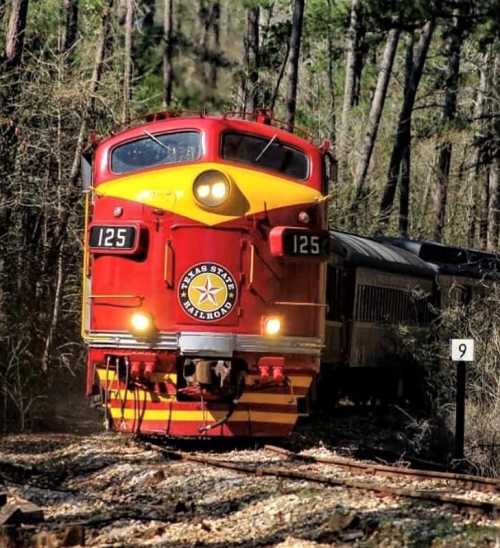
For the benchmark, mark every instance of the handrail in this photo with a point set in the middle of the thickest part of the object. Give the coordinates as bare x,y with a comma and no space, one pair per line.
85,266
292,303
168,265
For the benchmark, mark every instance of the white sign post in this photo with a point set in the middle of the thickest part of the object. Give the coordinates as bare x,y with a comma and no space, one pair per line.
462,351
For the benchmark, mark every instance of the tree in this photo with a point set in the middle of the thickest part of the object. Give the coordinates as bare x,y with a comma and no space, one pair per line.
14,40
14,45
209,48
168,49
251,46
405,168
127,60
479,126
494,204
70,29
330,74
493,234
352,46
453,49
215,20
377,106
99,57
293,62
403,133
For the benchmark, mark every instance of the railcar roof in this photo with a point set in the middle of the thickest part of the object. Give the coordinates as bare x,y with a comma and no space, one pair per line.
452,260
360,251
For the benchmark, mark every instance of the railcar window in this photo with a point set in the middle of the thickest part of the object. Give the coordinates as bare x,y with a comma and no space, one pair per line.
152,150
381,304
266,153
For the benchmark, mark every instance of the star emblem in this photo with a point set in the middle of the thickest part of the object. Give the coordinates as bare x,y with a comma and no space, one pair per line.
208,292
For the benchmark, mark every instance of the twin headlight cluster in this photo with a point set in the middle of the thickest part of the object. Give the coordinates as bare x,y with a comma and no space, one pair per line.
142,325
211,188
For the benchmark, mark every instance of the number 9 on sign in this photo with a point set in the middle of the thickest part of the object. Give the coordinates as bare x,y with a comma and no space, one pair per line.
462,350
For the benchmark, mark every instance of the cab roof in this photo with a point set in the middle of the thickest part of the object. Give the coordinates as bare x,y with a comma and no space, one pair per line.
210,126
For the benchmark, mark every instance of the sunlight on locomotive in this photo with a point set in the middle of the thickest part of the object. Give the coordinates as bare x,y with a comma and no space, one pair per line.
141,323
211,188
203,191
272,326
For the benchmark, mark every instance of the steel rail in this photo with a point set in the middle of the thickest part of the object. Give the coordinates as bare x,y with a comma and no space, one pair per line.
478,482
428,496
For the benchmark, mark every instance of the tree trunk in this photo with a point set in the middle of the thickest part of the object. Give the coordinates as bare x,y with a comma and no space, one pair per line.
168,50
251,44
376,109
453,48
331,83
293,63
276,91
14,40
121,11
404,189
149,7
494,204
494,187
485,201
215,54
14,45
349,82
127,61
360,53
209,20
403,132
478,145
405,168
70,30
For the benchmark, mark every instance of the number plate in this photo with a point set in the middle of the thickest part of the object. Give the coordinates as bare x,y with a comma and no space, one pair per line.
305,244
296,242
112,237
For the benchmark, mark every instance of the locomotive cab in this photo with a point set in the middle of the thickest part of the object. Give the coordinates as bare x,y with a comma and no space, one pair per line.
204,276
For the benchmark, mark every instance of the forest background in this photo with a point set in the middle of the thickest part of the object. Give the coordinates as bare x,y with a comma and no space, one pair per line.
406,91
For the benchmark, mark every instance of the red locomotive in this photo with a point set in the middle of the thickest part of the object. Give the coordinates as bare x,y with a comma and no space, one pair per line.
204,275
213,291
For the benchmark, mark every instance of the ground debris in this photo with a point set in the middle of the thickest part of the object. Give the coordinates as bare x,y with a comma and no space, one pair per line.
116,491
17,512
70,536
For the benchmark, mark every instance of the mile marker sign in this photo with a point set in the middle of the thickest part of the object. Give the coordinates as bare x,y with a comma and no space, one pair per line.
462,350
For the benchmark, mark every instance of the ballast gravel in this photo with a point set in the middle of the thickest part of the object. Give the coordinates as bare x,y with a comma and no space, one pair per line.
124,494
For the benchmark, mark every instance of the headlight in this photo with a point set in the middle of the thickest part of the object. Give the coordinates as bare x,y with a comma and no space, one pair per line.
272,326
142,324
211,188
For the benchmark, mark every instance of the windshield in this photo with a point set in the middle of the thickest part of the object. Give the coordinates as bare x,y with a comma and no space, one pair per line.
152,150
266,153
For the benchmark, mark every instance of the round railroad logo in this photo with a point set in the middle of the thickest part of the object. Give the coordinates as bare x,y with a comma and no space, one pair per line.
207,291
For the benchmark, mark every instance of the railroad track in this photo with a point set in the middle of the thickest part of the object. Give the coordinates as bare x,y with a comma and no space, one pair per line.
478,483
283,470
